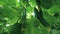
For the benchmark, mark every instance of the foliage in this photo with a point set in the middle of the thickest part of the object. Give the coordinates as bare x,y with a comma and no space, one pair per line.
29,16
